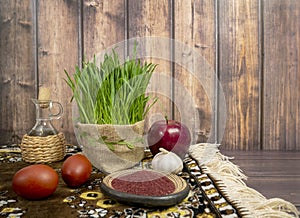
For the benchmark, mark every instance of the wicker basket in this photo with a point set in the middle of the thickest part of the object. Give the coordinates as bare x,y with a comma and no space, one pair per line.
36,149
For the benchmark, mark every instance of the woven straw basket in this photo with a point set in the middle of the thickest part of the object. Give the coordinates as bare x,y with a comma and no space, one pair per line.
94,139
36,149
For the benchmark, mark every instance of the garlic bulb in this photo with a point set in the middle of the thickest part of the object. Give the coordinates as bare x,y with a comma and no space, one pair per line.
167,162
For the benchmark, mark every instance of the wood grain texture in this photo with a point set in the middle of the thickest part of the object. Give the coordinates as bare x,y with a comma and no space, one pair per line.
103,26
253,46
281,122
261,154
58,27
270,167
17,69
272,173
194,52
154,19
286,188
239,72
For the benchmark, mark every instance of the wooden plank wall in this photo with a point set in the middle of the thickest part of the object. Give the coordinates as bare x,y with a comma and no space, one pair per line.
252,48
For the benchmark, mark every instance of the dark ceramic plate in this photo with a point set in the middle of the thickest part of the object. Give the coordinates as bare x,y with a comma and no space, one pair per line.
181,190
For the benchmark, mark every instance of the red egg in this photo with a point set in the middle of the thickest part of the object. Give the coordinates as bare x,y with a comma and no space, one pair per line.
35,182
76,170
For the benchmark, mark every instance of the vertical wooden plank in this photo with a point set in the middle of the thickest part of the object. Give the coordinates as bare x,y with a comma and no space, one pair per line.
239,72
58,27
103,26
281,75
153,19
195,50
17,74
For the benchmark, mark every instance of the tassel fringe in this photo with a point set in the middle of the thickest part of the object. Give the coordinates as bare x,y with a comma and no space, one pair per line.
230,179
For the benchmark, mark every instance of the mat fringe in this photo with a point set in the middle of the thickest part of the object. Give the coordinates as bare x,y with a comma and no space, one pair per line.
230,179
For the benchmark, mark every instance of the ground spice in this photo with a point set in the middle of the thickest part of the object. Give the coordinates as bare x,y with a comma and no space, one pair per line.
144,183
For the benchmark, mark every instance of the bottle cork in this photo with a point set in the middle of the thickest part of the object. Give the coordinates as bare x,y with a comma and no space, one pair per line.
44,94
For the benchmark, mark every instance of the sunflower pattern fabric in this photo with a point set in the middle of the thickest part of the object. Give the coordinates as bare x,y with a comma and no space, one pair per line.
216,190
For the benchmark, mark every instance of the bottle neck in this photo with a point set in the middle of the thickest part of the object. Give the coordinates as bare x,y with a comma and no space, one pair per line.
43,126
43,110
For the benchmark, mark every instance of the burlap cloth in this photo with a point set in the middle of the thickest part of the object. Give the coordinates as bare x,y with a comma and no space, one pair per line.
127,142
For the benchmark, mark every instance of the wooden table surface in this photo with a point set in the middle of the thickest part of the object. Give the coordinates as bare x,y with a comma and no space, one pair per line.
272,173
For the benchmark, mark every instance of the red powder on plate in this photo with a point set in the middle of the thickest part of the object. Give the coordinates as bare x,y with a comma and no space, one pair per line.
144,183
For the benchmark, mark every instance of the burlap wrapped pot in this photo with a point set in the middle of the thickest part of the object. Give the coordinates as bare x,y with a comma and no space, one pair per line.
96,138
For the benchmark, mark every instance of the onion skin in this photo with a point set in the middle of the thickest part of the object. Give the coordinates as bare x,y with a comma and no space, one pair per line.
170,135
